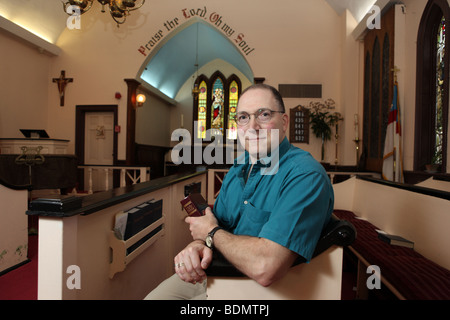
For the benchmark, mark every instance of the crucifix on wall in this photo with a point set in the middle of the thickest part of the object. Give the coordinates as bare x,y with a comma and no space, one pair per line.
62,82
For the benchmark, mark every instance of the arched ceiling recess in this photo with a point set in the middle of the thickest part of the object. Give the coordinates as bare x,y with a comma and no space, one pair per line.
173,63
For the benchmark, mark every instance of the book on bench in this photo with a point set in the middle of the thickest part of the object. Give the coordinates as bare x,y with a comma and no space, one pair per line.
194,204
395,240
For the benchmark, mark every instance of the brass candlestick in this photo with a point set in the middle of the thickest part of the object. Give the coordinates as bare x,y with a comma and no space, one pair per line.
357,150
336,136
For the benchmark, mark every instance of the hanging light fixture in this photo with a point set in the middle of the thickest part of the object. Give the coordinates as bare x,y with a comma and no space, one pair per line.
119,9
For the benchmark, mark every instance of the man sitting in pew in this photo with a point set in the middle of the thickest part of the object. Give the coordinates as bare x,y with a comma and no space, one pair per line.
271,208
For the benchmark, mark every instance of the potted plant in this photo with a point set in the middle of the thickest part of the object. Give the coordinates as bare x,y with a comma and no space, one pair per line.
436,160
322,119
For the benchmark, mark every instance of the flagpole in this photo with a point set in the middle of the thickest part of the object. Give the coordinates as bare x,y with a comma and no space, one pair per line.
394,164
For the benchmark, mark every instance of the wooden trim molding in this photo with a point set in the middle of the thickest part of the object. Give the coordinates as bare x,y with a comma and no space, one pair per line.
132,84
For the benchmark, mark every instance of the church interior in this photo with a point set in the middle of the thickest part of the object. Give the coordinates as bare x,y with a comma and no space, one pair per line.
98,97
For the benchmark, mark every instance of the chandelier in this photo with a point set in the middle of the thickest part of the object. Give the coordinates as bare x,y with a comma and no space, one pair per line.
119,9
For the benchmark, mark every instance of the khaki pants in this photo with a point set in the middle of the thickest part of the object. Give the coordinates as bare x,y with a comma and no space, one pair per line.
174,288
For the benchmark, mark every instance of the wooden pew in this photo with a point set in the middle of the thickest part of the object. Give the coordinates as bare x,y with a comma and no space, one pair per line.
320,279
415,213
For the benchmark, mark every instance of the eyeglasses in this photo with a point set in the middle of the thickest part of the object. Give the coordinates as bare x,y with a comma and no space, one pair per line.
261,116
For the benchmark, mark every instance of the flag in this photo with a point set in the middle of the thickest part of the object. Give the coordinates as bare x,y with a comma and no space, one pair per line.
392,155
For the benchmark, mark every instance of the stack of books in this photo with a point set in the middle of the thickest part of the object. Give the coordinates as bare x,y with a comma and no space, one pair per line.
131,222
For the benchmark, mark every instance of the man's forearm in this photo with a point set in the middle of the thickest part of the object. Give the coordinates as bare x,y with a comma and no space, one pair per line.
260,259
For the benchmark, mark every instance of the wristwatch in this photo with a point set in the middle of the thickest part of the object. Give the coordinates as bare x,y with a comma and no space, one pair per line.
209,238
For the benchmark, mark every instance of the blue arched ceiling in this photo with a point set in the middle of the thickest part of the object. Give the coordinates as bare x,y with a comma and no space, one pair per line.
174,63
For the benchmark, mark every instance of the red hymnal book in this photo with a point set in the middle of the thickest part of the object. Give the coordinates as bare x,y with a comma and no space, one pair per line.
194,204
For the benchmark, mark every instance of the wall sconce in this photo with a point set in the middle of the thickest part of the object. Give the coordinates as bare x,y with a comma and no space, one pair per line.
140,99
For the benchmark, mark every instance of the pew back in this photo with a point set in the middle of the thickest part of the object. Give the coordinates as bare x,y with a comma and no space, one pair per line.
13,227
320,279
410,213
76,248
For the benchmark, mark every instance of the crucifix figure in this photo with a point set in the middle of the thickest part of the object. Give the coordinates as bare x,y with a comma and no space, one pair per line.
62,81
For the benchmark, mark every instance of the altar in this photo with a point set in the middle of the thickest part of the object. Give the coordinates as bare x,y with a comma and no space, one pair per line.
38,161
48,146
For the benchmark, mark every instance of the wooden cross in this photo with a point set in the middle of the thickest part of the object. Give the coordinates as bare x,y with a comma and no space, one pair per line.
62,81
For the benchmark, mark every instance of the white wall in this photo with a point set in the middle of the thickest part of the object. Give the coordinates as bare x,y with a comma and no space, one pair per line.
153,122
24,84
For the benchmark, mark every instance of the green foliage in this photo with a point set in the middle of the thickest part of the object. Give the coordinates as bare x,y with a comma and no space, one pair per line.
321,118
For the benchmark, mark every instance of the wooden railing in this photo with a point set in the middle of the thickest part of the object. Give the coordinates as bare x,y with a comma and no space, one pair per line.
135,174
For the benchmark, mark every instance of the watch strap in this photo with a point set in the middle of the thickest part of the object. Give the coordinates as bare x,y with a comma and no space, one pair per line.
211,236
213,231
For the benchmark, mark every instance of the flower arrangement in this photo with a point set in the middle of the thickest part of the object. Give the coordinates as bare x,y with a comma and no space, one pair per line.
322,119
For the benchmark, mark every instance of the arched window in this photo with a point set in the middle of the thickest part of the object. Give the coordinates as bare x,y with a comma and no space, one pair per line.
440,89
430,143
215,105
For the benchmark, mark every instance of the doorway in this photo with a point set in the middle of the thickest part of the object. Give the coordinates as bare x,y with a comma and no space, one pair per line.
95,142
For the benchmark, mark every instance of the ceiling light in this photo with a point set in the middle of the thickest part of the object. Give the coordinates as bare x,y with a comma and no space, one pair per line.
119,9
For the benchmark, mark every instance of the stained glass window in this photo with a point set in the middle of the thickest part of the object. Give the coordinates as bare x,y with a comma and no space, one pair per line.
440,67
233,99
432,90
202,108
216,105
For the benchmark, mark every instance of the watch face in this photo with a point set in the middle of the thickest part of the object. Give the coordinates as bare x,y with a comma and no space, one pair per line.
209,241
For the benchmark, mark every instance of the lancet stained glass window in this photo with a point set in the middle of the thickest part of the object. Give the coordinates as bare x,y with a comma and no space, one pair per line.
438,127
215,106
201,110
233,98
217,109
432,90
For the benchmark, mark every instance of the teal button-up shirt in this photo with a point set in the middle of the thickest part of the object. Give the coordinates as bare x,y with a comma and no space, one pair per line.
289,205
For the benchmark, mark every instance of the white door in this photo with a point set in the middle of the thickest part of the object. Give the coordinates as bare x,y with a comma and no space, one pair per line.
99,148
